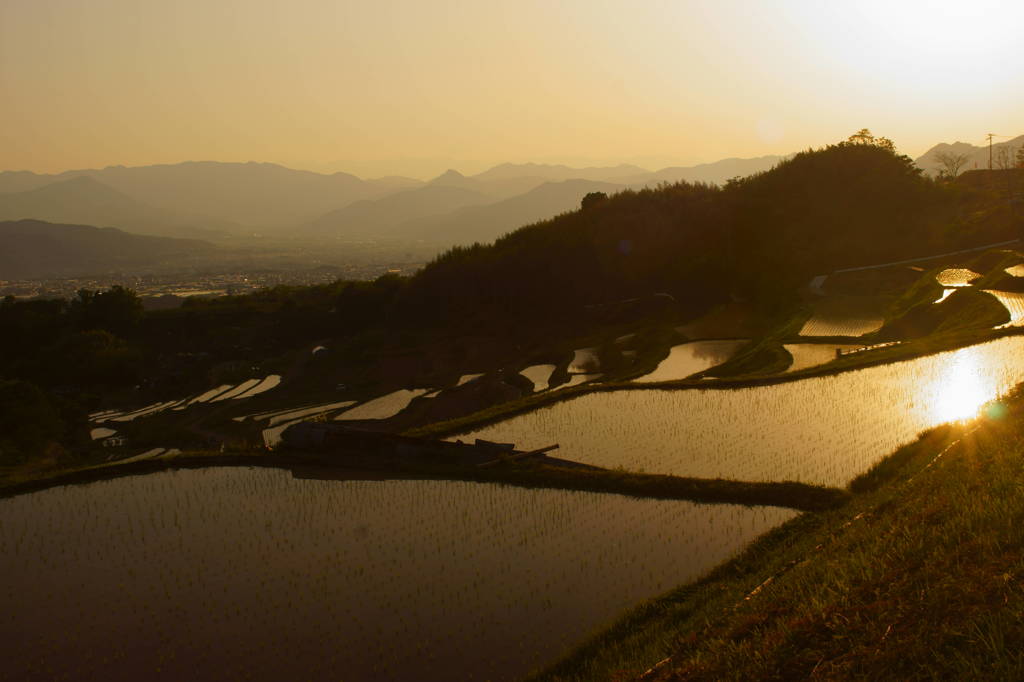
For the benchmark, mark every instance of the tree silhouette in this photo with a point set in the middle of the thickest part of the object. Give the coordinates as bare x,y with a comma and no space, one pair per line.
592,200
864,137
1004,158
951,163
118,309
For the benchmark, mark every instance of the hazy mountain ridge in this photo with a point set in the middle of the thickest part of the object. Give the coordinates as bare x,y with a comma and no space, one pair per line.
258,195
85,200
379,217
558,172
34,248
716,172
977,155
184,199
488,222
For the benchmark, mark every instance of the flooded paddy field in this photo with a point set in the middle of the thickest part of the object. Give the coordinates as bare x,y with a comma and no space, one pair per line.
252,574
956,277
385,406
823,430
687,359
539,375
844,316
807,355
1014,304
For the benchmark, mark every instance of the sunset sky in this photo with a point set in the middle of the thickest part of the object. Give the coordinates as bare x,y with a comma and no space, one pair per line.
413,86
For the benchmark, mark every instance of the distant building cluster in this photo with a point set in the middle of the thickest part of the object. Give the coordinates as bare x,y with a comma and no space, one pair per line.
185,285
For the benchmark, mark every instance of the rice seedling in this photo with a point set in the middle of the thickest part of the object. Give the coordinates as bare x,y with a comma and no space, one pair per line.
419,575
956,277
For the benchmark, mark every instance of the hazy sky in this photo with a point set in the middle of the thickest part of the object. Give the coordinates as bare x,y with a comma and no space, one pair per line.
412,86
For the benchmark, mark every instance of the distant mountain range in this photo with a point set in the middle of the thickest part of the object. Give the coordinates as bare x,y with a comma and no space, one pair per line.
717,172
204,198
485,223
33,248
254,195
977,156
379,218
85,200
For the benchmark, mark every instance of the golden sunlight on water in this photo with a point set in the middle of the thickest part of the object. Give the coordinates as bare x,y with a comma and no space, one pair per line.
961,388
823,430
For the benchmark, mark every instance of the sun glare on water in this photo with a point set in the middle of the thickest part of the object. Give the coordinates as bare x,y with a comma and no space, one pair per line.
962,389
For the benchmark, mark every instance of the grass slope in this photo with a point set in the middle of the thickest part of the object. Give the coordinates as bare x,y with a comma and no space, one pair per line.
917,577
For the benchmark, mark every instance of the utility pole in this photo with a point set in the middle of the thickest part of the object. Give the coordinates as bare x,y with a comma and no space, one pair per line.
989,137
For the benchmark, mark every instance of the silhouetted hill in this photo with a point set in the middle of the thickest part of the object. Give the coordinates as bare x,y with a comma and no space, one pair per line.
977,156
487,222
760,238
381,217
81,200
33,248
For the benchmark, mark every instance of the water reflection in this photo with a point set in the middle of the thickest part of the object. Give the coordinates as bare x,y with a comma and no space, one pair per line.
823,430
688,359
813,354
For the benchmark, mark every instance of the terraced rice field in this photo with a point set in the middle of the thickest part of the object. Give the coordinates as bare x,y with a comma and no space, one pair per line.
821,430
807,355
384,407
264,385
690,358
540,375
841,325
1014,303
577,379
238,391
584,361
246,389
956,277
250,574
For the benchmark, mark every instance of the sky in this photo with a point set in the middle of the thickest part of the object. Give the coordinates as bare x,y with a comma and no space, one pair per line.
411,87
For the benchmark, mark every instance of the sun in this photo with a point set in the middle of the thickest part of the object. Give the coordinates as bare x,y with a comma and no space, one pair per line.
961,390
